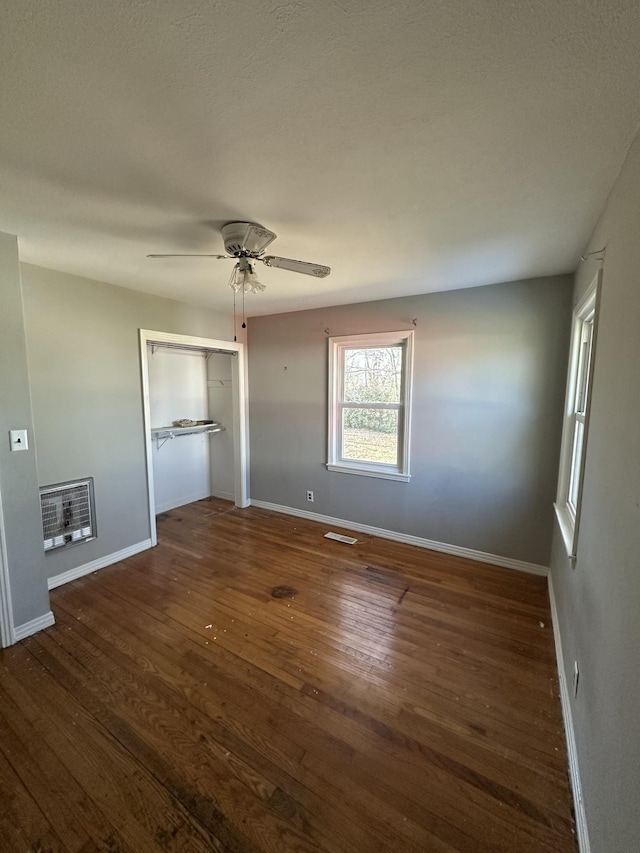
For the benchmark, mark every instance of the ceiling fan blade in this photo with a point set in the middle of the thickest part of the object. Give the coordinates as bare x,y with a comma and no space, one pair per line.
220,257
317,270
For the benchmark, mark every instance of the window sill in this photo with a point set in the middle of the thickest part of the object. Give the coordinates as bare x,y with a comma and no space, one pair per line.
370,472
567,529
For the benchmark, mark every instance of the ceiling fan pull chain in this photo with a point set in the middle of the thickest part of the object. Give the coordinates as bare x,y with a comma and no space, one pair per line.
235,337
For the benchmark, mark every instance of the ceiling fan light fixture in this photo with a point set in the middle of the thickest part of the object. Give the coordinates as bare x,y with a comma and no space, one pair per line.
244,279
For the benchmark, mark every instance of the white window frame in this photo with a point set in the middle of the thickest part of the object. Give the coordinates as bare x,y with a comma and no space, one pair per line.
576,417
337,347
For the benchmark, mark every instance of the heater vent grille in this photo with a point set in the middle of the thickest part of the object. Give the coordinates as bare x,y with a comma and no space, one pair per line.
68,515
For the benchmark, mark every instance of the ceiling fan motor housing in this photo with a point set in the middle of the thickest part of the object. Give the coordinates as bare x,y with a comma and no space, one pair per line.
242,239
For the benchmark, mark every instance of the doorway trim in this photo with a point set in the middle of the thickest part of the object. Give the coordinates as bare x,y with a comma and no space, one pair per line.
7,627
240,409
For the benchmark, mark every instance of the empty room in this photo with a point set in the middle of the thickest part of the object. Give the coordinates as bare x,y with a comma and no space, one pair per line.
319,405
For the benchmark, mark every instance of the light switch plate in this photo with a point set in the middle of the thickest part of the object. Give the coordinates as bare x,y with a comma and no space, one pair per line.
18,439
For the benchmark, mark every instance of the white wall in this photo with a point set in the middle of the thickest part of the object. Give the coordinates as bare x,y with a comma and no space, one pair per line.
599,599
177,390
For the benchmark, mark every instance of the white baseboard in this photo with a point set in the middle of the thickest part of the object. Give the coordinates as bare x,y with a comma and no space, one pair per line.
100,563
225,496
167,505
29,628
576,785
455,550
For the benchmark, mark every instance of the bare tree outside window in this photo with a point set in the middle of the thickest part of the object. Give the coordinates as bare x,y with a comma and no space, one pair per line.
372,376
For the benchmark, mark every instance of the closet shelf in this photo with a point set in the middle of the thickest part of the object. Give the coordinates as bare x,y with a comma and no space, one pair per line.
162,434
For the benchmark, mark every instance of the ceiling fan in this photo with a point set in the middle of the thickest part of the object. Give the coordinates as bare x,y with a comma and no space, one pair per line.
246,243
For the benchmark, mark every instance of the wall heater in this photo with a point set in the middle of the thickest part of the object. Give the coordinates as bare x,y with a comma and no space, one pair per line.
68,514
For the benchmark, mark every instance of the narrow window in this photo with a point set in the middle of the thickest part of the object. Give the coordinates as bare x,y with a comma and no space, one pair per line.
369,404
574,434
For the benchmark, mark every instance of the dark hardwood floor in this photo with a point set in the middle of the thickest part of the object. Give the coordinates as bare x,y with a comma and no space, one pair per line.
392,699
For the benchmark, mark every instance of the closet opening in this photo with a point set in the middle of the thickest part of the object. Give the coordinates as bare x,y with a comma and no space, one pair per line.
195,420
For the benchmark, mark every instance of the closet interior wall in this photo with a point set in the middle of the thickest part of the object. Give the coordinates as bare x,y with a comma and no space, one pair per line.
194,385
220,399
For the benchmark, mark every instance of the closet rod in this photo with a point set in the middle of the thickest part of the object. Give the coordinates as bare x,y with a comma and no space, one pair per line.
184,348
164,435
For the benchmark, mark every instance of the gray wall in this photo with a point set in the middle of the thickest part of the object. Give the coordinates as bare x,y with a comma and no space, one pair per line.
489,382
599,600
18,479
82,340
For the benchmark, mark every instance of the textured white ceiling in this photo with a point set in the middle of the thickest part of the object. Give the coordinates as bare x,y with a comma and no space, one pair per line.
414,145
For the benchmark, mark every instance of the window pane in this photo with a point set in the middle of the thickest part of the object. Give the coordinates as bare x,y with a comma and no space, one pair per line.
373,375
576,457
370,435
582,380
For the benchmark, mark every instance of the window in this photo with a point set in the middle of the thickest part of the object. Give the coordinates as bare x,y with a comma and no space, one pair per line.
574,434
369,404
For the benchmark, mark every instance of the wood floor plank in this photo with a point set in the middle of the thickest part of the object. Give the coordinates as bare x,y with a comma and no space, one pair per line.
62,801
306,795
156,742
22,822
141,810
397,701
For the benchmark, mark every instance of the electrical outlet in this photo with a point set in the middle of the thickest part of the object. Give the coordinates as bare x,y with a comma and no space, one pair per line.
576,678
310,496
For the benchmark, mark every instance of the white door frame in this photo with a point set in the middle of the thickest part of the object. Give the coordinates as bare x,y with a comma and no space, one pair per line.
6,605
240,410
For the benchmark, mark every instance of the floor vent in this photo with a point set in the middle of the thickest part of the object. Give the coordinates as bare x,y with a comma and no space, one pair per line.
68,515
348,540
